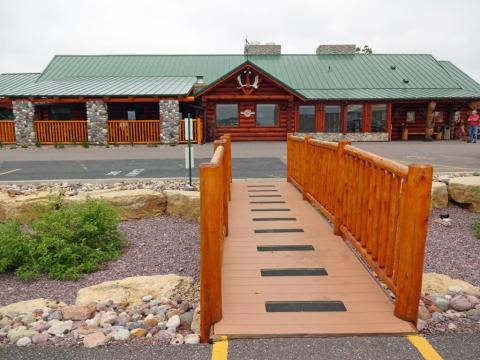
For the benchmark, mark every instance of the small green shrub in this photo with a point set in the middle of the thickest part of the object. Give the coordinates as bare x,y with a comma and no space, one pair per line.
24,146
476,228
1,145
13,147
66,240
85,144
38,143
152,145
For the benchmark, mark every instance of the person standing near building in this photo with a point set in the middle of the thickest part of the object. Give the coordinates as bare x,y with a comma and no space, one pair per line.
473,123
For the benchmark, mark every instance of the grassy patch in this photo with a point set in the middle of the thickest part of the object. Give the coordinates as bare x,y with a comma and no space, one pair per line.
66,240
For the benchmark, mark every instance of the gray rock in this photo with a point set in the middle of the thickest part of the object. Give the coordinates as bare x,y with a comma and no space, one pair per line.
442,303
455,290
147,298
164,337
108,318
177,340
474,314
463,302
40,338
56,315
173,322
421,324
153,303
61,328
188,317
24,341
120,334
191,339
122,320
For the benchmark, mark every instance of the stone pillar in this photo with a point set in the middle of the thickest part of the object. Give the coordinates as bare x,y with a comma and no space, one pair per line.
170,121
24,112
97,117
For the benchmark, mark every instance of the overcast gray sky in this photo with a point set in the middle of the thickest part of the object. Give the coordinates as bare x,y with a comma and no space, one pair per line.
32,31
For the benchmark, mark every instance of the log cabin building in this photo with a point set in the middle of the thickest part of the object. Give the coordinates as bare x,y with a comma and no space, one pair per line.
259,95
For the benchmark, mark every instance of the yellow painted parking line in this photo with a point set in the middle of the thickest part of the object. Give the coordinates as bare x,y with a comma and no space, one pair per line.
9,172
424,347
220,349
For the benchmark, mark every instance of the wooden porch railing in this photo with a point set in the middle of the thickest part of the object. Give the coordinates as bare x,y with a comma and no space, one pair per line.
61,131
197,131
7,132
133,131
215,180
380,206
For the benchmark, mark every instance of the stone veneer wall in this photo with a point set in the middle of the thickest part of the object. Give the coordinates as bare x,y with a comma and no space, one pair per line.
336,49
348,136
97,117
24,112
170,121
264,49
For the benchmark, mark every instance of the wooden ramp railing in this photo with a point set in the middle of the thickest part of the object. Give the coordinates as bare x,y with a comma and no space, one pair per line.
197,130
215,179
7,132
381,207
50,132
133,131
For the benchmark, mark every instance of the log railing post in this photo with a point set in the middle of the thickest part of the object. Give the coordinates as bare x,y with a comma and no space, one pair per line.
411,235
211,246
340,186
289,158
305,166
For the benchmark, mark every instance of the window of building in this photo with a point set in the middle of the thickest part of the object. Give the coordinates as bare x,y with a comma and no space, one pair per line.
227,114
354,118
61,113
379,117
6,114
410,117
439,116
267,115
332,118
306,118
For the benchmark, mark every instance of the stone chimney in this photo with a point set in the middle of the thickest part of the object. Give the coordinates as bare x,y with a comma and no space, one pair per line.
336,49
255,48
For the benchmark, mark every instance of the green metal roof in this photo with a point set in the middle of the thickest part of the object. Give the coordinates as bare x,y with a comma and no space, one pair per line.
10,82
109,86
465,81
358,76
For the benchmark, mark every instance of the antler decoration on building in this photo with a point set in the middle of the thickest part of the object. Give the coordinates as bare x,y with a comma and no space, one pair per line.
248,87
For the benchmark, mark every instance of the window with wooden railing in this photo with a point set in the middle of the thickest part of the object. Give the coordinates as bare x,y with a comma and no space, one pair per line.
50,132
380,206
215,180
133,131
7,132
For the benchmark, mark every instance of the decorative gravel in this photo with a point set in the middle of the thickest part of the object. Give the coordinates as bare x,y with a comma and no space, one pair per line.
160,245
455,250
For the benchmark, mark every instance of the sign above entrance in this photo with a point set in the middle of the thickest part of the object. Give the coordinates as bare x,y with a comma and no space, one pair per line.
247,113
244,80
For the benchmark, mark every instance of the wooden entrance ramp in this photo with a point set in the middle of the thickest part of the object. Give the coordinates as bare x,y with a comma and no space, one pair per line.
277,257
257,211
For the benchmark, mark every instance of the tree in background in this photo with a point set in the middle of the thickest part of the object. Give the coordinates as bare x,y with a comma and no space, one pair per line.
365,50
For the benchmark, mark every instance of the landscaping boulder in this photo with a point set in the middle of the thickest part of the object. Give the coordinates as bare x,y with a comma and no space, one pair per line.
133,289
23,307
184,204
78,312
439,284
466,190
439,195
134,204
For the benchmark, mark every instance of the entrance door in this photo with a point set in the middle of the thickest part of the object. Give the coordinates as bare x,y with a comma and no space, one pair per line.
306,118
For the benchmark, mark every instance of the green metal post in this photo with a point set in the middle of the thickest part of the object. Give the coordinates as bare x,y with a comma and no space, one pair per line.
189,150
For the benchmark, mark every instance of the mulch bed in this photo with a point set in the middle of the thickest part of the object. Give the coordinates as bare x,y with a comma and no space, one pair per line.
454,251
161,245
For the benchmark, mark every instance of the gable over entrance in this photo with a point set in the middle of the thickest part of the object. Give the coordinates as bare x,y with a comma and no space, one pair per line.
249,104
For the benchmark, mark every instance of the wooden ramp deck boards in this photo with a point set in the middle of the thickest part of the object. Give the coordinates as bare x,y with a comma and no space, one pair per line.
245,292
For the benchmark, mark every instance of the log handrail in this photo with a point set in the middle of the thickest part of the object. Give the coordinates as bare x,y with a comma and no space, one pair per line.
133,131
50,132
7,132
197,131
215,182
379,206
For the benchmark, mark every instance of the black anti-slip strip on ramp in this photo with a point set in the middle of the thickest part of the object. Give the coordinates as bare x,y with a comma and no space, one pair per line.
285,248
294,272
255,186
304,306
269,190
265,196
267,202
275,219
277,231
270,209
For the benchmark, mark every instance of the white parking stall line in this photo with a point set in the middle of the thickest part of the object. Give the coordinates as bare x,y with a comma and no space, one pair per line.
113,173
135,172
